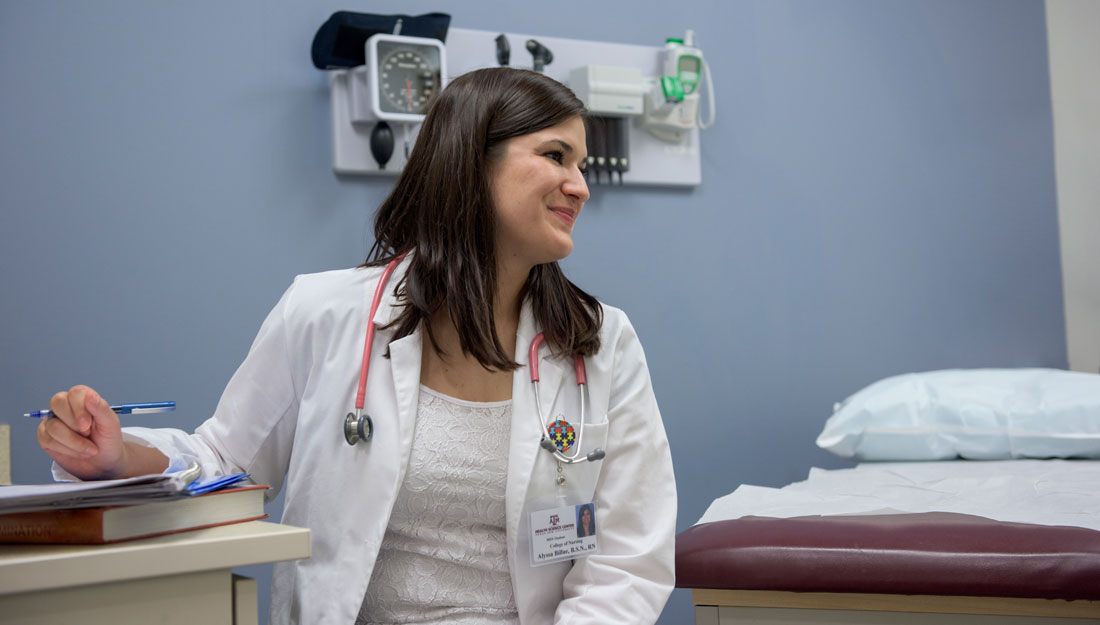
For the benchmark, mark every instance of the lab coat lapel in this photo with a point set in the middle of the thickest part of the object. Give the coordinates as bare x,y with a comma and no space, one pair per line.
405,356
526,424
550,370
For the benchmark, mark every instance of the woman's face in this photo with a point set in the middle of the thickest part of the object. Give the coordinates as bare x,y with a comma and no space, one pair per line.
586,517
538,192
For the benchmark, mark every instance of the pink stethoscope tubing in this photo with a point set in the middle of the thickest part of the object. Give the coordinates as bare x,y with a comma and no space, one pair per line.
358,426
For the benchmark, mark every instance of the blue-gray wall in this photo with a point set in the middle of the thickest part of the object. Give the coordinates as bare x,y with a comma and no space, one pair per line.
878,197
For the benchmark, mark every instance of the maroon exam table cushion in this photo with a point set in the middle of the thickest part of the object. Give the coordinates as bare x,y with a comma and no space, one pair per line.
932,553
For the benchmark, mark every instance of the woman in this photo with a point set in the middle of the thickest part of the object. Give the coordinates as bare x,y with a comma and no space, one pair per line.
435,512
585,525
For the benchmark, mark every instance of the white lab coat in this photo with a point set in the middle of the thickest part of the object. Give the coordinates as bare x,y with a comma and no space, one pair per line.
282,415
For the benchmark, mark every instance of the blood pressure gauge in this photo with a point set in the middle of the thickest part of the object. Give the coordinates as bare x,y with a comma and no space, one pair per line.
404,74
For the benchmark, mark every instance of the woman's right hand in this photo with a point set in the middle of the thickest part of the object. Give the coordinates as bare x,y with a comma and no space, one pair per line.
84,437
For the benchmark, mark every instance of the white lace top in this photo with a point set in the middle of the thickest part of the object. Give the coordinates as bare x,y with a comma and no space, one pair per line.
443,558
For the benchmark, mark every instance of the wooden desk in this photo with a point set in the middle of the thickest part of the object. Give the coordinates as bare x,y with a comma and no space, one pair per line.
183,579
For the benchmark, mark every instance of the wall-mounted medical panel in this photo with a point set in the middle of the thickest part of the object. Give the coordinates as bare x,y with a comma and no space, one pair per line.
604,68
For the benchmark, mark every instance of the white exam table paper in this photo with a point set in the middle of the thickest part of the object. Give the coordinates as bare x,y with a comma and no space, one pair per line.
1043,492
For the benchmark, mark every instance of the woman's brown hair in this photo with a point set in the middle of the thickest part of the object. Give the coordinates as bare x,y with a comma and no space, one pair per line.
441,209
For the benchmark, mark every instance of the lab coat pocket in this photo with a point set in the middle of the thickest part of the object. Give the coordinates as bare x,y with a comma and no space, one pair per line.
580,479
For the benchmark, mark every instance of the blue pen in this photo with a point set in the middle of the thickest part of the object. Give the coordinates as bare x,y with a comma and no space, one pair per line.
149,408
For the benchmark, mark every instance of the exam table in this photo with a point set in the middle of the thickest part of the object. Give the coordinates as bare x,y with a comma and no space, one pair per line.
932,567
977,501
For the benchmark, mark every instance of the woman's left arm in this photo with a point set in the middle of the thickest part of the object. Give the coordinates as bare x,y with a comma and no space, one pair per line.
631,577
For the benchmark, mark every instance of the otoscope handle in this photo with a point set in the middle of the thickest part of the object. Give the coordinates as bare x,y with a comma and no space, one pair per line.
504,51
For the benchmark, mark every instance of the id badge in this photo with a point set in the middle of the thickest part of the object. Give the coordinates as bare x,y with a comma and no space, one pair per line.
563,533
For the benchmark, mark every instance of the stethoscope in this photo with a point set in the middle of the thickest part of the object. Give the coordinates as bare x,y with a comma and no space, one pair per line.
558,437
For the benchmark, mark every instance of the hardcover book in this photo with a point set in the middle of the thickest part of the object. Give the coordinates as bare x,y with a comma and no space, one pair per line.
107,524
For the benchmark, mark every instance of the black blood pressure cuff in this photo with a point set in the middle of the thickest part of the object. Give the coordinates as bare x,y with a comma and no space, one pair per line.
340,41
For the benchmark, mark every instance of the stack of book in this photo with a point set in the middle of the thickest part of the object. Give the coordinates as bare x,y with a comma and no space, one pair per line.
116,510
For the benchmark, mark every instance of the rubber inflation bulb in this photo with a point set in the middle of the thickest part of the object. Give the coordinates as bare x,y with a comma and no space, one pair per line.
381,143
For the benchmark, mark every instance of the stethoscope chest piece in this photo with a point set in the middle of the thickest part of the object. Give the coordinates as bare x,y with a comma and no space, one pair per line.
358,428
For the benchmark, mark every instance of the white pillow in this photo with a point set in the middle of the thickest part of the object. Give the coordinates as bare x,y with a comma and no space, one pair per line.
979,414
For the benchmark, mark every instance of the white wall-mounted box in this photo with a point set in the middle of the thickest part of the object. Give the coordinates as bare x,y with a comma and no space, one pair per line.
652,161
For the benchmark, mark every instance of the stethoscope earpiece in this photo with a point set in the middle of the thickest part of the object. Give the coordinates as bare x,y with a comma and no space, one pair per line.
358,428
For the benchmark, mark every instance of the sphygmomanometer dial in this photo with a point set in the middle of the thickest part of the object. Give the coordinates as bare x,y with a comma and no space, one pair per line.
408,73
408,82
